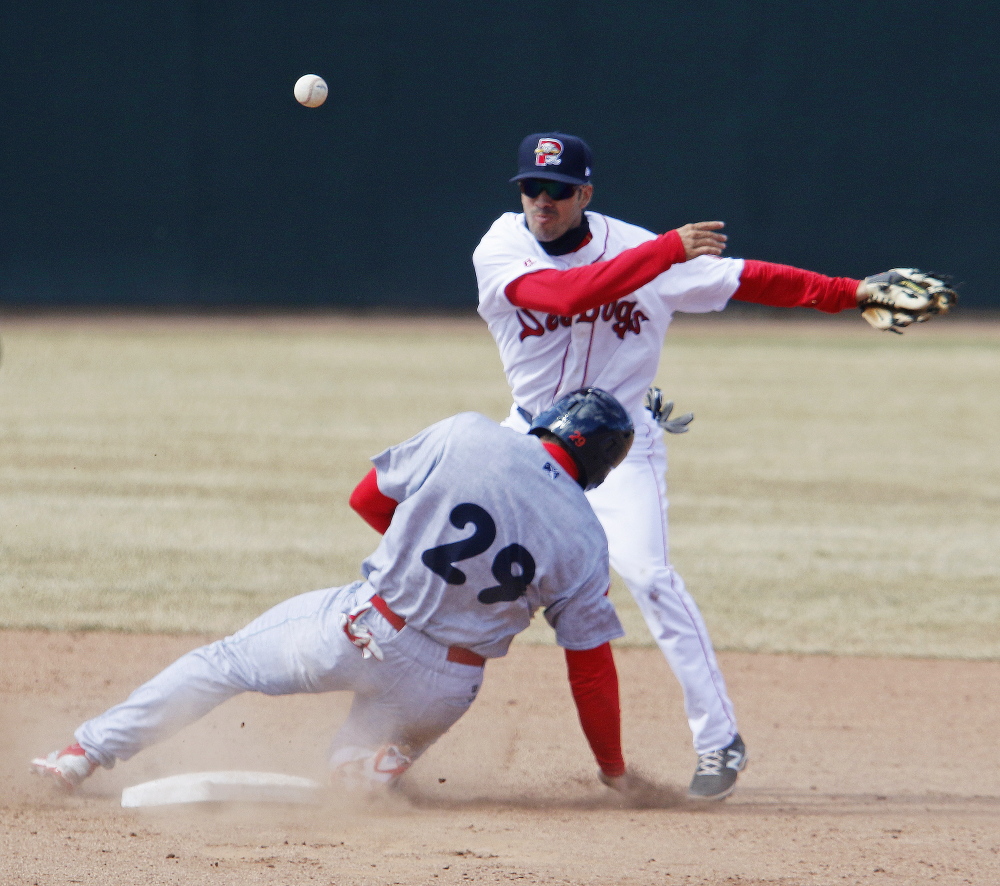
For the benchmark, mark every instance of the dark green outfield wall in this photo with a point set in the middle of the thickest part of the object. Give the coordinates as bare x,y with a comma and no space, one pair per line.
153,153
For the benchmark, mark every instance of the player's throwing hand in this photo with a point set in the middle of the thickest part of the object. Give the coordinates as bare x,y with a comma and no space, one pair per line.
702,238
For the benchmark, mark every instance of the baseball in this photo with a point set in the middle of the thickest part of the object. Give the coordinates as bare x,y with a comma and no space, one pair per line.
310,90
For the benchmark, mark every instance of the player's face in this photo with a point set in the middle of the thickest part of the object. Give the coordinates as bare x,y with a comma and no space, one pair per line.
548,219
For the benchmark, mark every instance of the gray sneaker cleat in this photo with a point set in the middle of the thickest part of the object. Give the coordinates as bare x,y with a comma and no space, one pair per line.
715,777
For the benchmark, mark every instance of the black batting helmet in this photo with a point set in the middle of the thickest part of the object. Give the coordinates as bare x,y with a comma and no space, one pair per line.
594,428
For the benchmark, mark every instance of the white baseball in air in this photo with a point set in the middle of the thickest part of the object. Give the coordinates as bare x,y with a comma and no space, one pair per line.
310,90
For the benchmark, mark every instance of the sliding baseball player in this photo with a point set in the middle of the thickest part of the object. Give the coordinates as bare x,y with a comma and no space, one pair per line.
482,527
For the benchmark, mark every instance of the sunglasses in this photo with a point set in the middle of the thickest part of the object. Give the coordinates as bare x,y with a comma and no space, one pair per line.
533,187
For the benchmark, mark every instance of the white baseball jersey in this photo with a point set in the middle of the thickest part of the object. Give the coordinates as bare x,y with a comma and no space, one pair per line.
489,528
615,347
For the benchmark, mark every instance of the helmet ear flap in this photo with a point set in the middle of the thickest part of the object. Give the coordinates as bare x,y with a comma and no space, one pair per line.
614,452
593,427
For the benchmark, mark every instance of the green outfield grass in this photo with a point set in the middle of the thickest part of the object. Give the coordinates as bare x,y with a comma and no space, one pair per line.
839,490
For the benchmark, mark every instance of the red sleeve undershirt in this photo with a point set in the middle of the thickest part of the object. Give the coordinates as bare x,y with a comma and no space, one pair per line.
594,681
570,292
783,286
576,290
375,508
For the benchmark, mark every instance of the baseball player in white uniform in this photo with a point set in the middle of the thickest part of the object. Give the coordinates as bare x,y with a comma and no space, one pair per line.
576,298
482,527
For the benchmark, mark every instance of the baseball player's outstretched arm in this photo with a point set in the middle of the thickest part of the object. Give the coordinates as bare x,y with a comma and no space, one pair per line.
577,290
375,508
783,286
594,681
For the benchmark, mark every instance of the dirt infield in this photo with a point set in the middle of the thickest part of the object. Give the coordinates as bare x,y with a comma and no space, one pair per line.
862,771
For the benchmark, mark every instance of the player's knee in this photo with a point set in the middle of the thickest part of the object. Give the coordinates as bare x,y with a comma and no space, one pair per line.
642,579
655,584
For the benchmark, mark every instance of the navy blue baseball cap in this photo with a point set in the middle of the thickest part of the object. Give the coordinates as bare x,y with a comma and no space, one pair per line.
554,156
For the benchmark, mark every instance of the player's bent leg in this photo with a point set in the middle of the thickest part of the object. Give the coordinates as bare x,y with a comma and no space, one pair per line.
297,646
356,768
632,507
179,695
381,740
679,630
401,707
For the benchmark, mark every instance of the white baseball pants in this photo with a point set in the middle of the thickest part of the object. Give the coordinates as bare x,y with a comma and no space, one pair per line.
410,699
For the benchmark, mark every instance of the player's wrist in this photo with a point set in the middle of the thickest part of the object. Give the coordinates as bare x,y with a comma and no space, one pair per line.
673,246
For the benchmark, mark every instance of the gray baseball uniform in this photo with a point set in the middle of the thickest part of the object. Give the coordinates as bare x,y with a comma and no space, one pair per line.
489,528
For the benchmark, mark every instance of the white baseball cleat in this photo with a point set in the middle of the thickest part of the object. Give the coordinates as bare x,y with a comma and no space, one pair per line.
362,769
68,767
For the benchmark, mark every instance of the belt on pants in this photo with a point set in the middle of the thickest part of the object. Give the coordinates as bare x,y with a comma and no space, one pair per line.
521,411
457,654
